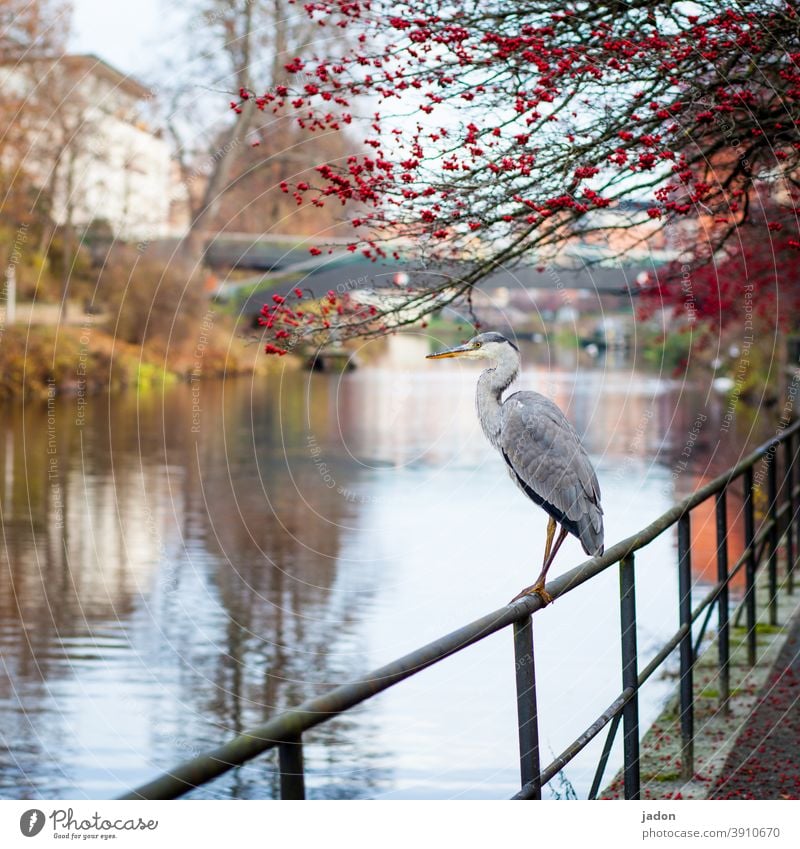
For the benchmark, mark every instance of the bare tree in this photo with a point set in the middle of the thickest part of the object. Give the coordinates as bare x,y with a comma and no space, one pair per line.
28,29
58,139
247,45
26,26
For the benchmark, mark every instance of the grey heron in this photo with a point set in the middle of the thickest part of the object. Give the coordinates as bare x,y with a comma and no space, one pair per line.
543,454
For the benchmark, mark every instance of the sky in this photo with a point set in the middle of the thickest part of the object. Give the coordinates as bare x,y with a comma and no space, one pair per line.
145,38
126,34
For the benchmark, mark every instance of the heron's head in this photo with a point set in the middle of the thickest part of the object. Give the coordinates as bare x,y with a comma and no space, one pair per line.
484,346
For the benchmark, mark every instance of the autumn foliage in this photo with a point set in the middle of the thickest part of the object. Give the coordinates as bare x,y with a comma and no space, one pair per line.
492,131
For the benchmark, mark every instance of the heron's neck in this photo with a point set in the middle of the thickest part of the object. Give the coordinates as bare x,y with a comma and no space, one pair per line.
489,398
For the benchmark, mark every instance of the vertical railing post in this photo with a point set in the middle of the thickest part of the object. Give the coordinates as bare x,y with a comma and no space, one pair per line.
795,440
791,529
686,652
630,676
527,714
723,627
774,533
290,763
750,566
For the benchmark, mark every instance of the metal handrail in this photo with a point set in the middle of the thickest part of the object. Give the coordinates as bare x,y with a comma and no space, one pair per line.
285,730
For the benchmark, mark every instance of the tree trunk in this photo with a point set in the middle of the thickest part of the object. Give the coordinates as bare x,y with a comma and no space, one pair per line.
193,244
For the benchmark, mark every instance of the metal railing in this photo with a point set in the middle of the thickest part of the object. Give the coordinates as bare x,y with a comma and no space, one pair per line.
780,519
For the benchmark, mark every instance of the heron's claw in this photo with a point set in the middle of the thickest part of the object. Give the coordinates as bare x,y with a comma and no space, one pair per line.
535,589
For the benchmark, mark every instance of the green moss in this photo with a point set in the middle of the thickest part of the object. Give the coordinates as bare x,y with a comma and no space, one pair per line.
565,337
761,628
661,776
149,376
665,352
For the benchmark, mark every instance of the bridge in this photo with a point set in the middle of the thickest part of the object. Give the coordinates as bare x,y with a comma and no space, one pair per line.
344,272
768,471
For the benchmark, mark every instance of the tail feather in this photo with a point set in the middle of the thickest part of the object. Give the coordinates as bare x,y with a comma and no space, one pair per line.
591,533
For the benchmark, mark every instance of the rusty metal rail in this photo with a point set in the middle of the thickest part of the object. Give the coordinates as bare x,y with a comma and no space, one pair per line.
781,520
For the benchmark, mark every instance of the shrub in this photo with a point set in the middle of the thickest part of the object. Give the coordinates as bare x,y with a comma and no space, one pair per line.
148,300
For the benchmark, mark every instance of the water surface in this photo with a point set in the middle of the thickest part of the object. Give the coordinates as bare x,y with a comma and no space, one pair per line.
172,579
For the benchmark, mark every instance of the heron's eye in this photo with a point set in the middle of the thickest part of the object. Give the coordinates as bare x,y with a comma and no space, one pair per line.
476,344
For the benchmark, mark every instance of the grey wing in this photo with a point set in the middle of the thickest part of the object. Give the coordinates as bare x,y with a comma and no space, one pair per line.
547,461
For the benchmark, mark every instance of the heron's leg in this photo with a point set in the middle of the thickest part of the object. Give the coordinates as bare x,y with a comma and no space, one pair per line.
538,586
551,532
561,537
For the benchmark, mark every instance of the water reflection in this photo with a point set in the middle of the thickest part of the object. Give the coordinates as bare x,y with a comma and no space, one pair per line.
164,589
166,585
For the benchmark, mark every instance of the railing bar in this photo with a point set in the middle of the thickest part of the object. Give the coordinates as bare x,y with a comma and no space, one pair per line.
723,605
611,714
718,587
702,632
205,767
664,653
222,766
601,766
740,564
686,653
790,565
795,513
618,704
772,561
789,459
290,763
630,664
287,725
790,580
527,714
767,524
616,707
784,508
760,541
588,735
614,554
750,568
674,641
741,607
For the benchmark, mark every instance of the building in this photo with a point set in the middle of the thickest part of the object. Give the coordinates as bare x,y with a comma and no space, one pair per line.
88,148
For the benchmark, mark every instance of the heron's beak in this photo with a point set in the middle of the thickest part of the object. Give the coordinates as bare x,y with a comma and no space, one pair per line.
449,352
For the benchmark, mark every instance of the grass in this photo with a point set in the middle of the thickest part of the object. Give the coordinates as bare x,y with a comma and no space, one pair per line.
74,359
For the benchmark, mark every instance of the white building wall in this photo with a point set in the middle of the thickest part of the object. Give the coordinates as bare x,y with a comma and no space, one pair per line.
123,177
111,166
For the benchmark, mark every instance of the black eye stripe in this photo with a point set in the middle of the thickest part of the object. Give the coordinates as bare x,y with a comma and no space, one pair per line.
499,339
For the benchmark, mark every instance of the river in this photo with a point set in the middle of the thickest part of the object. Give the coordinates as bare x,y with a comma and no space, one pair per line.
179,565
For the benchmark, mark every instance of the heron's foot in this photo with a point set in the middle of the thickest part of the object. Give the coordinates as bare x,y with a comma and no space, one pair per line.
535,589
